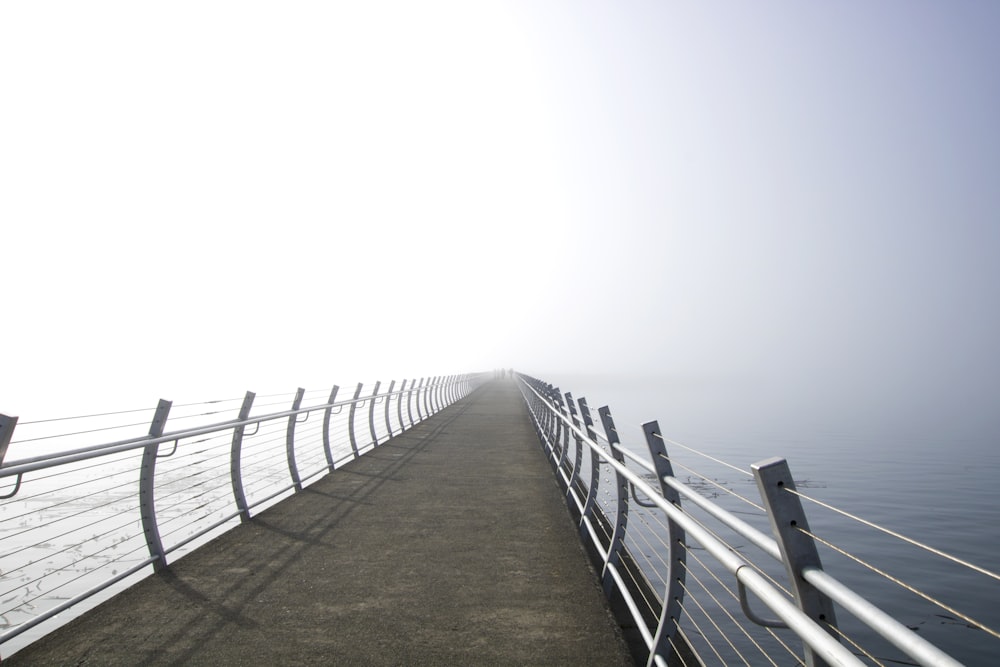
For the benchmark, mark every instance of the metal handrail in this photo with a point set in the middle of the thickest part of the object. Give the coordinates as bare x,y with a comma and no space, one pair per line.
821,646
29,464
448,390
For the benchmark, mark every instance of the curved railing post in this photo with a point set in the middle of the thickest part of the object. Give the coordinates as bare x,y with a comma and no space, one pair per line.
290,440
578,453
670,615
371,413
564,445
798,550
147,479
409,402
443,393
326,428
350,420
621,507
551,422
556,399
595,461
427,396
399,405
420,416
388,401
235,454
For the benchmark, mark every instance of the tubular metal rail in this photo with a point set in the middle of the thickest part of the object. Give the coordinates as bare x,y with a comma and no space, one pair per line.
624,515
75,522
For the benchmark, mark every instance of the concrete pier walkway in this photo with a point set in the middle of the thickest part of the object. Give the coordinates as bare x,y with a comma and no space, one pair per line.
447,545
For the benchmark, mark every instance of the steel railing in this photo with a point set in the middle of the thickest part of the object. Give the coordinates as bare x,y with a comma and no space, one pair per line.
631,518
85,516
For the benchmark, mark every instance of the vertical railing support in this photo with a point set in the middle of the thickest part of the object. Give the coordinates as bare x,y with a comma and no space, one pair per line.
577,440
621,509
7,424
293,470
235,455
371,413
399,405
327,414
564,445
420,416
670,615
556,399
409,402
798,550
595,461
147,479
350,421
427,396
388,401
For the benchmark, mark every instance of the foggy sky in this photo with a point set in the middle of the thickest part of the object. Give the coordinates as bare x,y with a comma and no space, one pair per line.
212,197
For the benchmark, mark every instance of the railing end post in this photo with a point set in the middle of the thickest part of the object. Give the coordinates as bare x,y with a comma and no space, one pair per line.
7,425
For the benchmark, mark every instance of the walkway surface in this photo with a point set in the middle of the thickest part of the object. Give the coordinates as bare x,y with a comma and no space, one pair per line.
447,545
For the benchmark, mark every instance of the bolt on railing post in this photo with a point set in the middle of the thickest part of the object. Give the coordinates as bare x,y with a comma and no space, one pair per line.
147,479
388,401
578,452
350,420
290,440
670,615
7,424
371,413
235,454
595,461
798,549
327,414
621,509
420,416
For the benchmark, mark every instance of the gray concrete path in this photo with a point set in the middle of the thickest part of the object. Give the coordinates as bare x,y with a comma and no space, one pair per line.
447,545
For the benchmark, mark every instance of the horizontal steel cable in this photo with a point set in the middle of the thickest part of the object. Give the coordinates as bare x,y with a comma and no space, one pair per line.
66,435
67,549
860,650
690,596
704,526
693,554
690,619
87,510
703,454
49,492
723,607
714,483
81,575
124,412
899,582
904,538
